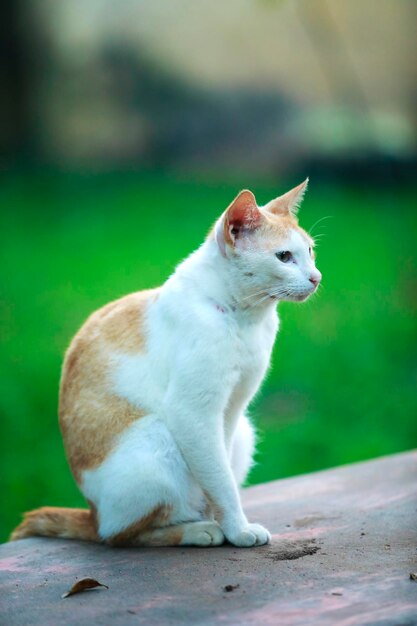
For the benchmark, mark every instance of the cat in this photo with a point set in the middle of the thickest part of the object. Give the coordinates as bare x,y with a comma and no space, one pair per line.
155,386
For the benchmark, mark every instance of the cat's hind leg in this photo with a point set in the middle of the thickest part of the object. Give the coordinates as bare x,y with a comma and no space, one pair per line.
144,493
204,533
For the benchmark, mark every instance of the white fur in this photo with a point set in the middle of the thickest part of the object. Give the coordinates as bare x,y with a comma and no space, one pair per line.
209,341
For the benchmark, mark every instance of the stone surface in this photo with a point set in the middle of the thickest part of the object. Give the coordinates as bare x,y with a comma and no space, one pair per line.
344,545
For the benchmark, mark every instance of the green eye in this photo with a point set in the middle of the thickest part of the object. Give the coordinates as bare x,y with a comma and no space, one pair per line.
284,256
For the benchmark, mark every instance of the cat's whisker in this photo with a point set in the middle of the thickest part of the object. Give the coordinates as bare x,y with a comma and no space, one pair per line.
271,294
255,302
267,296
321,219
254,295
319,237
259,301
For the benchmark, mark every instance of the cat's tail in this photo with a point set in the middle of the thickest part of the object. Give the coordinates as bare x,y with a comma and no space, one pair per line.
50,521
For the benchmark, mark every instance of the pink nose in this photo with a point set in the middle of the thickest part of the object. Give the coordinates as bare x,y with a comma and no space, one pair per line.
315,279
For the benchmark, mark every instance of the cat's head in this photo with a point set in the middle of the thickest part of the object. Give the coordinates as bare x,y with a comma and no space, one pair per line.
269,253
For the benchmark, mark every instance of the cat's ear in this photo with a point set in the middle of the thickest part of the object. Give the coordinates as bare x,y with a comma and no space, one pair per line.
290,202
240,219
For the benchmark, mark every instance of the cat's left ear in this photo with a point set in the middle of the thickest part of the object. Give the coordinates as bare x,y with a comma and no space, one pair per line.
240,219
290,202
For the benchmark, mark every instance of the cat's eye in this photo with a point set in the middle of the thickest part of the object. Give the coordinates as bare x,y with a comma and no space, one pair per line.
284,256
310,251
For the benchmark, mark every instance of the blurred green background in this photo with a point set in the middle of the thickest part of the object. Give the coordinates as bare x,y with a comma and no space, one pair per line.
123,139
343,381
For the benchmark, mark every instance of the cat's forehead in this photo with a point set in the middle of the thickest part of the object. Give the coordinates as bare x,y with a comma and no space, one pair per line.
297,238
284,230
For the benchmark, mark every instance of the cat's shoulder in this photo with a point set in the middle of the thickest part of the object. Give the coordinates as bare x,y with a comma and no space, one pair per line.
120,323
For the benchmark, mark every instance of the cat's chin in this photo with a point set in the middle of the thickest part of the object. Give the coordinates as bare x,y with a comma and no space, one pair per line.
299,297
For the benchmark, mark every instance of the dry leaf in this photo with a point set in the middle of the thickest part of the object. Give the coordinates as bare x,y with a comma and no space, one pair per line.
83,585
413,576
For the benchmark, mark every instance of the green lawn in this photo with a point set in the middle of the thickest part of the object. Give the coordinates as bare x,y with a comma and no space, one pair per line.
342,386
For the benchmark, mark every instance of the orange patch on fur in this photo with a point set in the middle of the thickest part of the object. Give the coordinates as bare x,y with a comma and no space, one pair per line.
275,228
51,521
168,536
122,323
90,414
213,510
131,535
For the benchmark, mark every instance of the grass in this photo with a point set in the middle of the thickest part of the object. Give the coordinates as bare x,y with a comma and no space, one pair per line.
342,386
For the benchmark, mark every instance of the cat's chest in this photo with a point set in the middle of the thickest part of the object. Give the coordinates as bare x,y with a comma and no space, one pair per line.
253,343
251,355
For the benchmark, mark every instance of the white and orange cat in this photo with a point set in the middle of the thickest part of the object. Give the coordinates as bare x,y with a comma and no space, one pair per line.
155,386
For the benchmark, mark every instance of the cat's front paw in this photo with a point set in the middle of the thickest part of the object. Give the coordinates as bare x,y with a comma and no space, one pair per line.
250,535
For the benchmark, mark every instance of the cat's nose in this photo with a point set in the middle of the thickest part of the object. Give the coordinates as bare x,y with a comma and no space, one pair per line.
315,278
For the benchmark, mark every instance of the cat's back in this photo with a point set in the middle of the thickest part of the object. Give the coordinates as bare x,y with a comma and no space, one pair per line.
90,413
119,323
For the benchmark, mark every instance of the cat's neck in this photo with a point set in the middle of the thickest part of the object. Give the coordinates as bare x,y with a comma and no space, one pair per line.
208,273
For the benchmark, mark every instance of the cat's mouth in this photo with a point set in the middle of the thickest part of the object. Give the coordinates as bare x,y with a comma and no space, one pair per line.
293,296
303,296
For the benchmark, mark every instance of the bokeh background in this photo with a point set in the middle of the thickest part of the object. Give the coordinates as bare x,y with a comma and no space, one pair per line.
127,127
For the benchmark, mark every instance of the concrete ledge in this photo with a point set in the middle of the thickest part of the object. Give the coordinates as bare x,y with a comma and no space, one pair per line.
344,544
